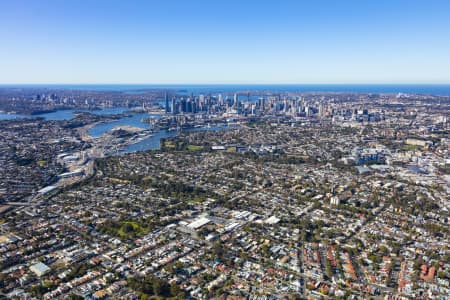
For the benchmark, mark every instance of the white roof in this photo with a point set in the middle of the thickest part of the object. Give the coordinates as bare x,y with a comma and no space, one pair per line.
272,220
218,147
199,223
39,269
46,189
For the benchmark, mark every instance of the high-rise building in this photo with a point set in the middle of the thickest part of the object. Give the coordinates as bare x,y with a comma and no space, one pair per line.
174,108
166,98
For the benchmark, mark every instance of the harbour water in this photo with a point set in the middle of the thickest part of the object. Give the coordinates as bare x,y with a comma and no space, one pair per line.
434,89
5,116
64,114
153,142
132,119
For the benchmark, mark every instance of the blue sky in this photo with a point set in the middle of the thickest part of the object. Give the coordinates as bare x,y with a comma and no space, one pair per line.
225,41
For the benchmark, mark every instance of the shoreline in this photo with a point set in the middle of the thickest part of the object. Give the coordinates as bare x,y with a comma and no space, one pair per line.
84,131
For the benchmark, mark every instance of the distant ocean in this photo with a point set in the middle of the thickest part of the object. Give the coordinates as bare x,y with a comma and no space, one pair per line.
434,89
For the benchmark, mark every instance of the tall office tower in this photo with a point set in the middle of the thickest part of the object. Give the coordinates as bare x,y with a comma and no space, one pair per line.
188,105
235,100
183,105
201,102
166,98
174,108
197,104
220,99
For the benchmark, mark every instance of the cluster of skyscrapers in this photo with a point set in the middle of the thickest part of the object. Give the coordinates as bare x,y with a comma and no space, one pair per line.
241,104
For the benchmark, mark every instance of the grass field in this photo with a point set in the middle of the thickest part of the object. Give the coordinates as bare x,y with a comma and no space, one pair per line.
169,144
130,228
194,147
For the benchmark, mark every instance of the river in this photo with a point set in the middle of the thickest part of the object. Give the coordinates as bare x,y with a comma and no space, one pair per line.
64,114
134,120
153,142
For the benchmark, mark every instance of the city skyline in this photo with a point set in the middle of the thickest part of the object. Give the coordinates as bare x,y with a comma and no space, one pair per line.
110,42
171,194
224,150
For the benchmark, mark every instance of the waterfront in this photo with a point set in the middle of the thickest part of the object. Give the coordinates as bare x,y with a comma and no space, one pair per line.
225,150
293,162
133,119
153,142
64,114
5,116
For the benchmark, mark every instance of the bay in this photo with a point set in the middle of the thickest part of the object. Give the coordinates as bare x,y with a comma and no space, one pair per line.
64,114
153,142
134,120
432,89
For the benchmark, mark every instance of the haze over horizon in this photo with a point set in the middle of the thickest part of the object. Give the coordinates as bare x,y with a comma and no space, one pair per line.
204,42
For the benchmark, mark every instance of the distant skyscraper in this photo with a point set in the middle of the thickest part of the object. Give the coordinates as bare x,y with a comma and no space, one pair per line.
184,107
166,98
174,108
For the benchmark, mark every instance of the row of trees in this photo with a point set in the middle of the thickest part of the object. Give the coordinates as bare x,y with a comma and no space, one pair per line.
153,286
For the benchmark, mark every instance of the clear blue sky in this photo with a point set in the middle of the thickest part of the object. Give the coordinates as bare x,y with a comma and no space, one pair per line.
225,41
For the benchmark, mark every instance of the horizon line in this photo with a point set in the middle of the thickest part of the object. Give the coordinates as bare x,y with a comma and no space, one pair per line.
232,83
